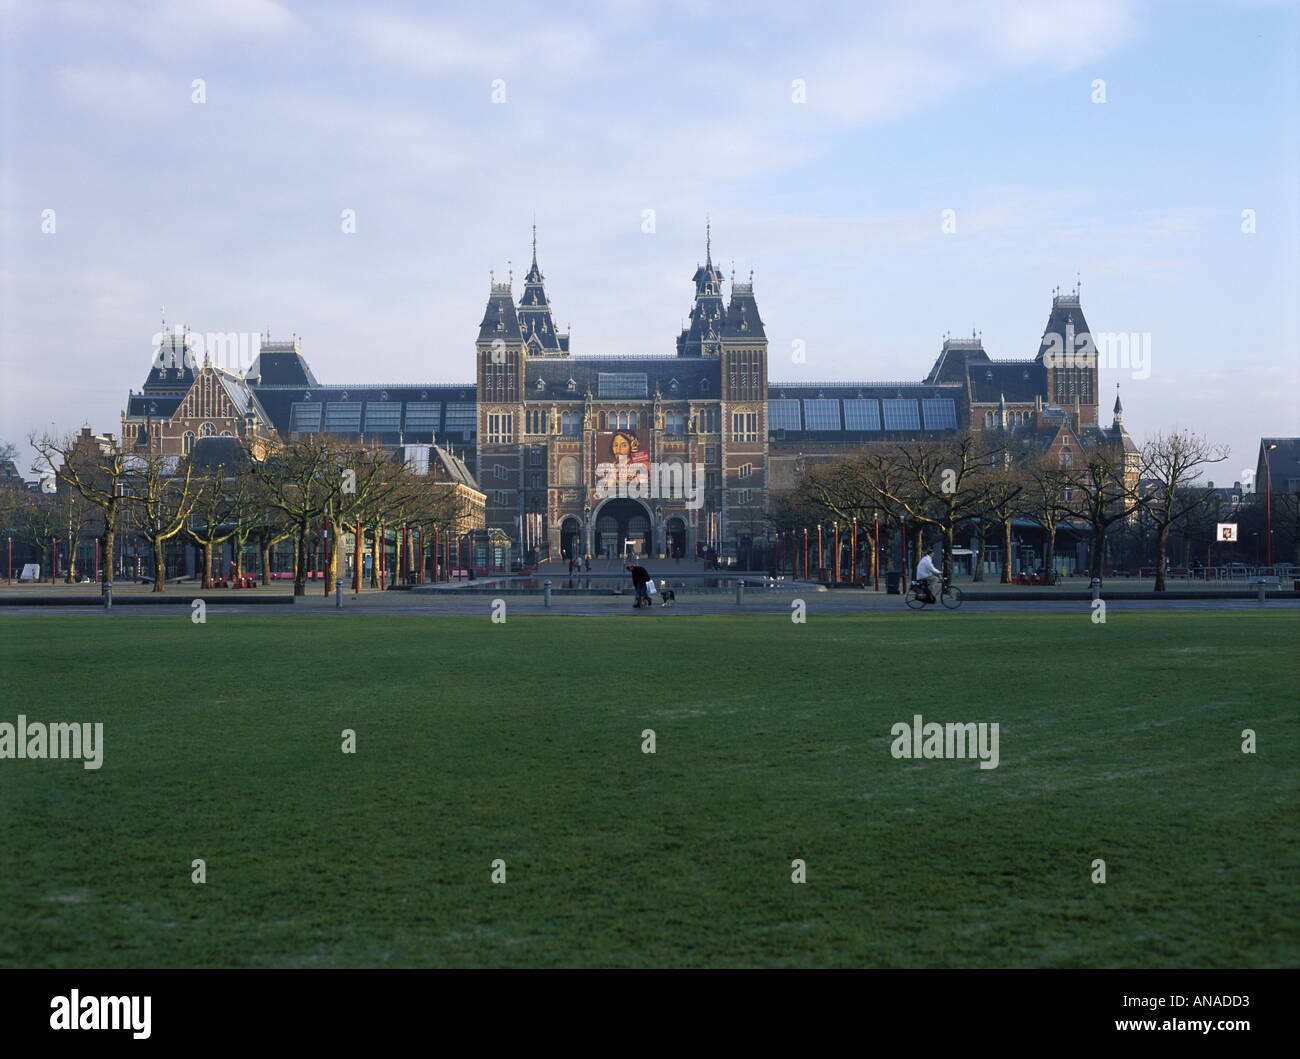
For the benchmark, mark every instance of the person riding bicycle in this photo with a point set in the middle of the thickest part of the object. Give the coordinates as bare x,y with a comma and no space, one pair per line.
930,575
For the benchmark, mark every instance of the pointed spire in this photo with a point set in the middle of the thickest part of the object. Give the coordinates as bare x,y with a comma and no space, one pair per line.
1119,408
534,239
708,240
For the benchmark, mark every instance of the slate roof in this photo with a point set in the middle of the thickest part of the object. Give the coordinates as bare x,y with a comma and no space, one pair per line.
1066,317
453,468
280,364
956,358
499,318
678,378
172,368
1019,381
1283,465
742,319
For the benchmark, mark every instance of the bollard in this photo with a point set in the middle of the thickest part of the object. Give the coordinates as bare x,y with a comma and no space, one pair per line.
546,592
1096,589
740,591
338,593
108,595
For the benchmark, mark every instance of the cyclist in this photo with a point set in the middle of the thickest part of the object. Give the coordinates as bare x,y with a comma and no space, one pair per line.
929,574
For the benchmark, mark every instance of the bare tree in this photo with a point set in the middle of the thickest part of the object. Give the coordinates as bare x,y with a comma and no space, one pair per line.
165,492
1048,494
1170,463
98,470
1102,495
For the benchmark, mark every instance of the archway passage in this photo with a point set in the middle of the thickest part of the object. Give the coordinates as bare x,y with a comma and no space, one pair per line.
676,538
571,538
622,528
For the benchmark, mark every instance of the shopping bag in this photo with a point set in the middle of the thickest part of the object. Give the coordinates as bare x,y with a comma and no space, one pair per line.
650,588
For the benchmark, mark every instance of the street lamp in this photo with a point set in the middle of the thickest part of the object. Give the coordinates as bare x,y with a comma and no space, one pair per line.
1268,500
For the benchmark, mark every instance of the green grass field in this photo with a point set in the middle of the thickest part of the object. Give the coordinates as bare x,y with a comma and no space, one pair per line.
523,742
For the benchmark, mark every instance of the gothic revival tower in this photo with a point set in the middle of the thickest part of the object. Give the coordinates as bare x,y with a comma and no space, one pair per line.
1068,354
500,350
743,349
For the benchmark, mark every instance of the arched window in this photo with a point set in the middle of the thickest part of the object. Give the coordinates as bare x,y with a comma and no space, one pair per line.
988,419
187,442
207,430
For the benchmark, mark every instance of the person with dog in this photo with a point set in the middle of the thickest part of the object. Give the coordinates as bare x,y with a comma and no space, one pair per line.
930,574
640,578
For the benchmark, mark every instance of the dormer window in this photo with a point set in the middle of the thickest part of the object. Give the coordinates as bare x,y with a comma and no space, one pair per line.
541,385
573,386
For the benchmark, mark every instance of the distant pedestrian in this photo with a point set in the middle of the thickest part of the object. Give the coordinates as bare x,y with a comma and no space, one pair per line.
587,560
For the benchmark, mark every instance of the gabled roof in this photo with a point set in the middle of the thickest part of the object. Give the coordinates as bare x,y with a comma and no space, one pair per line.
453,469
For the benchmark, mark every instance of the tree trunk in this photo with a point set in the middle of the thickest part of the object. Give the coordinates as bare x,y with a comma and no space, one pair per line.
979,552
157,544
300,560
106,556
264,547
1006,551
1098,551
947,552
207,564
1050,572
1162,542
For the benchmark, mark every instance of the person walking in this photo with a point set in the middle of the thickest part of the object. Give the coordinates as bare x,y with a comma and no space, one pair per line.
640,578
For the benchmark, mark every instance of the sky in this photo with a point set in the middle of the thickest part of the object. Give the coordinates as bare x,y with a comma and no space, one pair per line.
201,157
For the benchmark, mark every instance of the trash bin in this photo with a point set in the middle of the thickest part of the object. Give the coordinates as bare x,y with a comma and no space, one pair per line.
893,582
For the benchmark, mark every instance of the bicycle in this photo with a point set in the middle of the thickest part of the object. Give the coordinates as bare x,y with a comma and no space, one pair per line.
917,596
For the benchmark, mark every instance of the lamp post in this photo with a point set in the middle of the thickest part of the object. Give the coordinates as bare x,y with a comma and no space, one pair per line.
1268,502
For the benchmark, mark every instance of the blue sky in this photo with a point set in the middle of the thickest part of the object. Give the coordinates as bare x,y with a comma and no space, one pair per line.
228,211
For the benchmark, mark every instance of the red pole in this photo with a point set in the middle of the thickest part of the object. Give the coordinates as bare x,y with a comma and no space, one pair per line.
325,540
821,553
805,553
422,553
381,546
54,563
835,566
356,559
875,556
11,560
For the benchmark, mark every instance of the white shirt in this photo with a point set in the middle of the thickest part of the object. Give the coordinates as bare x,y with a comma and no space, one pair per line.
925,568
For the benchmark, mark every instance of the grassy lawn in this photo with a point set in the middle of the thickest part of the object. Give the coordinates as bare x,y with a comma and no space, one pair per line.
523,742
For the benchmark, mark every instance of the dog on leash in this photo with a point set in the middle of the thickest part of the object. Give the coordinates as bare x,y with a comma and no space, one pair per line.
666,594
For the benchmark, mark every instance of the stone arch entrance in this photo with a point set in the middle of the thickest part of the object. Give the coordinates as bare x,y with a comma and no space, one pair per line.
676,533
619,523
571,538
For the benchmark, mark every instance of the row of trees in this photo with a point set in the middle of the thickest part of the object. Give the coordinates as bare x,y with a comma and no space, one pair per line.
290,491
979,484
